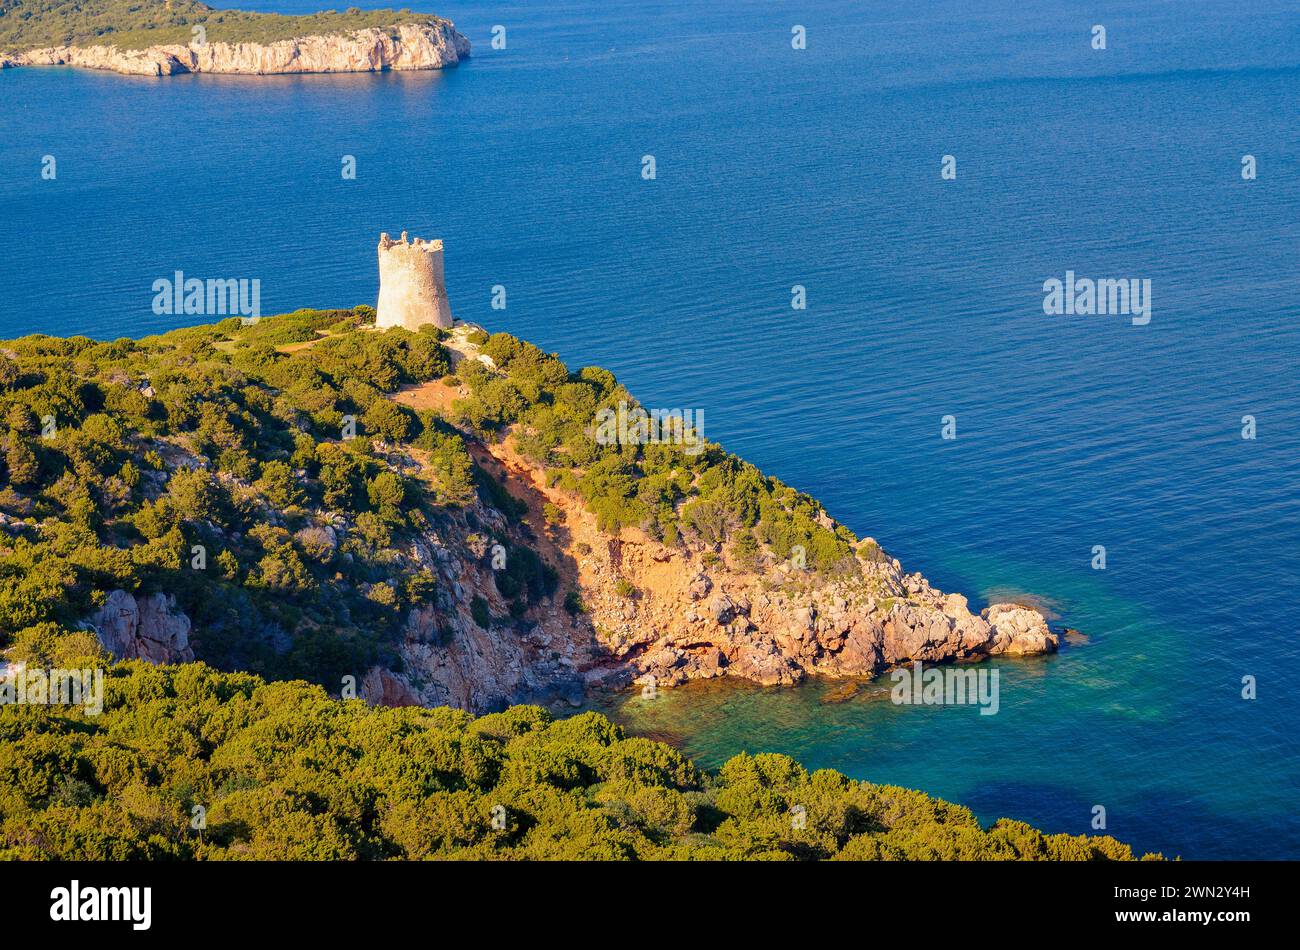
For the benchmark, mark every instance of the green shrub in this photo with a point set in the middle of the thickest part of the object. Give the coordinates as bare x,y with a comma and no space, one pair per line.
478,609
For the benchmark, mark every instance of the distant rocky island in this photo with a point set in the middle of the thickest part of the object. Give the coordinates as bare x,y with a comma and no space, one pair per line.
167,37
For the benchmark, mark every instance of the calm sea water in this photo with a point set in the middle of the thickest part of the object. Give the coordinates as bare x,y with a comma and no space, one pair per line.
821,167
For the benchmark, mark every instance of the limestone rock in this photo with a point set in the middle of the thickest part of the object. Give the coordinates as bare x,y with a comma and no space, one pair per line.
1018,630
692,617
381,687
432,45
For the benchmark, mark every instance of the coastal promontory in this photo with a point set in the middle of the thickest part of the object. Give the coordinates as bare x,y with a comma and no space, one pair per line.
437,514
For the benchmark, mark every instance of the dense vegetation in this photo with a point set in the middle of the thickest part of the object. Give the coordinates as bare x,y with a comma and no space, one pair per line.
119,460
186,762
135,24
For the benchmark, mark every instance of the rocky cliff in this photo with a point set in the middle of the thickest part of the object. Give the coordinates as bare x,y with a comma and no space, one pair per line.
651,613
523,594
432,45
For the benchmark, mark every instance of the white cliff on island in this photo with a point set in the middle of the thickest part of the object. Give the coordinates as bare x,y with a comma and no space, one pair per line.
410,46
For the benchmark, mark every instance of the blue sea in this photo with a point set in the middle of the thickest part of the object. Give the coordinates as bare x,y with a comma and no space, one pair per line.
820,167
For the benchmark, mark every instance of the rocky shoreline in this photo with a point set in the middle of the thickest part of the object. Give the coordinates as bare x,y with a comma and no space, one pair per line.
665,615
651,614
412,46
646,612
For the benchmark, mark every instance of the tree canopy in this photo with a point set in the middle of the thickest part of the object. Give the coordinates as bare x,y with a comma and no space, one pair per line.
136,24
186,762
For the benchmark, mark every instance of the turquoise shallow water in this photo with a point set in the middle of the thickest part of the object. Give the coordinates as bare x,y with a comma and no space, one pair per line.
1122,720
821,168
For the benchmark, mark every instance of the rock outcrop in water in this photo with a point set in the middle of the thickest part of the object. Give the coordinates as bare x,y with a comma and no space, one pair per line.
651,613
432,45
672,614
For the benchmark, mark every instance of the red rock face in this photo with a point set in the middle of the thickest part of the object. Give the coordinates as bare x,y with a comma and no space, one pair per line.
667,615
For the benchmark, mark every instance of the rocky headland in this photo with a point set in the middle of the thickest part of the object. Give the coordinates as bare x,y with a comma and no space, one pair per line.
654,613
437,557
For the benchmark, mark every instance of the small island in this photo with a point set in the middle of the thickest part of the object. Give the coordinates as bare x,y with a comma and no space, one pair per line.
167,37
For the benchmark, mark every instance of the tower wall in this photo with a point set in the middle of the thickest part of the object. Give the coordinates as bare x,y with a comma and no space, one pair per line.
412,290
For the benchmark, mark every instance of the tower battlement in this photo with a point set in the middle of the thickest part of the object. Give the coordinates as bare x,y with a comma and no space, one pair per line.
412,288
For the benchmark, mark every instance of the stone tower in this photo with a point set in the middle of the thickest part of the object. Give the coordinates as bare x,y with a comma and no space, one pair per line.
412,291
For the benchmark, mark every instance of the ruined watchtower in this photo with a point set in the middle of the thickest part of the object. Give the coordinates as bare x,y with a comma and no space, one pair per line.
412,291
